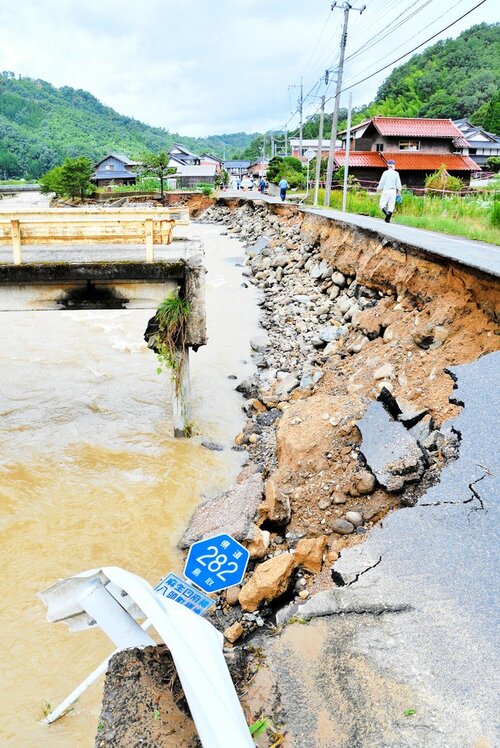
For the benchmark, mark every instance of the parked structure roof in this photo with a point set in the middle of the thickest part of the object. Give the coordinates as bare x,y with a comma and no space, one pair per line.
411,161
110,175
370,159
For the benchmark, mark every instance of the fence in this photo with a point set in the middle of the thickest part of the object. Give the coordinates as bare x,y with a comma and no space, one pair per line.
105,226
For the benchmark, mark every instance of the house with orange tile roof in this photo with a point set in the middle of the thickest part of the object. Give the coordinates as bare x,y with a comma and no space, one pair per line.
417,146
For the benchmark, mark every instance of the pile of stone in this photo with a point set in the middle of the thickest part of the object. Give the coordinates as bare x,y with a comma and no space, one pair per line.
307,306
310,313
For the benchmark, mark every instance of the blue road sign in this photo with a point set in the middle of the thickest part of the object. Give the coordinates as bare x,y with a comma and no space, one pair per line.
216,563
175,588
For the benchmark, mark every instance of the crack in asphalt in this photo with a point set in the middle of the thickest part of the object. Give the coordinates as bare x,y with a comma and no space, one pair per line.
360,573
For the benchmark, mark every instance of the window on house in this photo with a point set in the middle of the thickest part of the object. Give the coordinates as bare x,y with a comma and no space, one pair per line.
409,145
109,167
380,146
472,151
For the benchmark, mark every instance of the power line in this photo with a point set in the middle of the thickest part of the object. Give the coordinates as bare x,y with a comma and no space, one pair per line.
430,38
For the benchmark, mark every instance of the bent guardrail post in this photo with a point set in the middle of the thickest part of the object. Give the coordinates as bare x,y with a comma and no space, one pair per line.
195,645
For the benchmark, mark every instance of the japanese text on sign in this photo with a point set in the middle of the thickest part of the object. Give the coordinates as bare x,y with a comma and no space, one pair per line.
175,588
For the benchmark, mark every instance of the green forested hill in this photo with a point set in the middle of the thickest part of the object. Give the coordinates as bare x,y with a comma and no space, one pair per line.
40,125
452,79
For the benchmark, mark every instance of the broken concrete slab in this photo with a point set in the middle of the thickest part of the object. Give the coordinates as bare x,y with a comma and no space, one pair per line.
261,243
417,614
233,512
390,451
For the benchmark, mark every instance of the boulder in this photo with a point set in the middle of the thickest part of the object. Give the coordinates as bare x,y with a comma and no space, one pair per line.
276,505
269,581
233,512
258,542
309,552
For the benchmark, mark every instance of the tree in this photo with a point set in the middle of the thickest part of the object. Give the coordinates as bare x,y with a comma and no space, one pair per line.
156,165
488,115
75,175
71,179
52,181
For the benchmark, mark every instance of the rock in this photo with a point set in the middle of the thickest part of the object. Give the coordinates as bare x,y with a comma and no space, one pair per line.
258,406
365,482
338,278
259,543
286,385
355,518
390,451
384,372
259,343
259,245
330,333
344,303
234,632
239,439
342,527
233,512
281,261
309,553
232,595
269,581
324,504
248,387
276,505
214,446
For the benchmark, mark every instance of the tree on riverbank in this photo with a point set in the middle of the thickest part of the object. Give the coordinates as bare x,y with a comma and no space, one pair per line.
72,179
156,165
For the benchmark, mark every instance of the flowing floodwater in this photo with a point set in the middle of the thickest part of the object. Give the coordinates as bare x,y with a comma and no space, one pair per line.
90,475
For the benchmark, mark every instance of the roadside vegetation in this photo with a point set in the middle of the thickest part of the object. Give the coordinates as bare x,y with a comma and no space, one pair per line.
474,216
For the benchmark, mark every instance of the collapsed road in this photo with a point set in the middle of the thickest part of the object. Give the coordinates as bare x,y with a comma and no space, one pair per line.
368,503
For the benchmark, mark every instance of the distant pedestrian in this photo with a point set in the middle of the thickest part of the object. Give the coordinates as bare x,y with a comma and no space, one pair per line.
262,185
283,185
390,187
238,183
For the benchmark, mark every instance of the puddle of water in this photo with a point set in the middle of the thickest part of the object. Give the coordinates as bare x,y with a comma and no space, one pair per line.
90,475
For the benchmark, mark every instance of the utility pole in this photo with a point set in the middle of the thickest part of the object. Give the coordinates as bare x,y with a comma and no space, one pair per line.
318,153
272,144
335,117
301,109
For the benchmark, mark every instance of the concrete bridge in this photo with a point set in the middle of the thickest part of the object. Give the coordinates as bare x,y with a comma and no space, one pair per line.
105,259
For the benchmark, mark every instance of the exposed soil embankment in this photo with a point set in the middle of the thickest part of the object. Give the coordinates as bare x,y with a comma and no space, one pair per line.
346,417
350,319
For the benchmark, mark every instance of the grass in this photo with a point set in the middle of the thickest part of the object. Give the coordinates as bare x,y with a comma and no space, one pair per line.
18,181
469,216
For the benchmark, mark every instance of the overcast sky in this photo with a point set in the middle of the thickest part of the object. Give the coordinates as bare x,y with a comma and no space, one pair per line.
199,67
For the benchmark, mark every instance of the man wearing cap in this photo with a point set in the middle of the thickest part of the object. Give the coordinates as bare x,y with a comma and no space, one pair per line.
389,186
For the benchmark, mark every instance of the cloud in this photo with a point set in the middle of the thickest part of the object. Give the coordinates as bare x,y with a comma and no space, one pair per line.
197,67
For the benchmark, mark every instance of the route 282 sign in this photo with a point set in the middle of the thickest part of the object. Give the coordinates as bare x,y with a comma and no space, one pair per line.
216,563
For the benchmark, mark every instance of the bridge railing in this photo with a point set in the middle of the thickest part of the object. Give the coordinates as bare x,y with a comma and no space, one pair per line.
105,226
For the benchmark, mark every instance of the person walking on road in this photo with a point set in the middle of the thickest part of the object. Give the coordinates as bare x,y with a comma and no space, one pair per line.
390,187
262,185
283,185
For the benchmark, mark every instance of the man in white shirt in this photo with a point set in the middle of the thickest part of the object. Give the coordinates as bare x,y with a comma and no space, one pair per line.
389,186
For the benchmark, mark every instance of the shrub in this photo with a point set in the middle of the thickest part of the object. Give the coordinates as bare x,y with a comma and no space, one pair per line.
495,212
441,180
493,163
205,188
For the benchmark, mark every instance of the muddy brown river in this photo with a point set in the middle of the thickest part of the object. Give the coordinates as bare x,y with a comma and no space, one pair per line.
91,476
